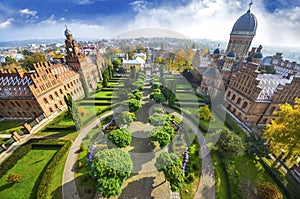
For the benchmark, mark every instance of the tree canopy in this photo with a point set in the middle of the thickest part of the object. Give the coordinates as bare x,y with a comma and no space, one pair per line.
33,58
230,143
120,137
162,134
158,119
110,168
283,132
171,166
125,118
205,114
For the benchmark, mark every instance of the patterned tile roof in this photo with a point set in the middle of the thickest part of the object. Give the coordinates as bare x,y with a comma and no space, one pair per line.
14,85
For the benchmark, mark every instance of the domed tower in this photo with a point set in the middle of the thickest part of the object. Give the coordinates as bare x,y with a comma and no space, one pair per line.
242,34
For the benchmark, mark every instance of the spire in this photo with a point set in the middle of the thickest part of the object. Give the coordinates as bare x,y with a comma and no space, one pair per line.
250,4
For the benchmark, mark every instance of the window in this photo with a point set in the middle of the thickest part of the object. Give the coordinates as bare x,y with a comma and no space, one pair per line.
245,105
238,101
228,94
51,97
46,101
265,121
3,104
233,97
51,110
56,94
60,90
24,113
60,102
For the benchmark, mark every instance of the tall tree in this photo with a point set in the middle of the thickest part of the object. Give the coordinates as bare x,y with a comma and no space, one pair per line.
230,144
283,132
73,111
105,78
257,145
110,168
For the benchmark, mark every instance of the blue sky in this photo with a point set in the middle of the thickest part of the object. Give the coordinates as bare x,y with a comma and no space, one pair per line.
278,20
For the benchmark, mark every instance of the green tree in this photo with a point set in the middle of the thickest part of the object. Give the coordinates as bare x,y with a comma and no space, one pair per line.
157,96
120,137
283,132
85,87
162,134
257,145
158,119
10,60
125,118
133,104
34,58
110,168
139,84
105,78
230,143
116,63
136,94
171,166
73,111
269,191
162,77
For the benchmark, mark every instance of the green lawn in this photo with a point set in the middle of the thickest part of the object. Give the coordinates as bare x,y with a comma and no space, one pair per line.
220,177
7,126
30,167
107,94
181,86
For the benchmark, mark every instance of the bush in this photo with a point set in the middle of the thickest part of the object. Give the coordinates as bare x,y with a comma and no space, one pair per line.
14,178
120,137
235,189
190,178
269,191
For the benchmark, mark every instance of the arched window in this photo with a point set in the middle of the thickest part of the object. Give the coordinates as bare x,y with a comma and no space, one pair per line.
265,121
60,90
234,110
56,94
245,104
12,104
51,97
238,101
46,101
233,97
228,94
51,110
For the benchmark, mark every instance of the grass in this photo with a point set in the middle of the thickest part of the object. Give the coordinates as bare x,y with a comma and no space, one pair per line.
220,177
30,167
8,126
183,86
107,94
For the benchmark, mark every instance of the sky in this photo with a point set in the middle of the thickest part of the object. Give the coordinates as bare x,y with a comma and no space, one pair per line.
278,20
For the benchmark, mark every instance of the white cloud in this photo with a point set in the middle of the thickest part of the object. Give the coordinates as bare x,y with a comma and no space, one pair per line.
6,23
214,20
139,5
85,2
26,11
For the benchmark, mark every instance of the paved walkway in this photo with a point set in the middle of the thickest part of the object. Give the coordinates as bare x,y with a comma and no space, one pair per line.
68,180
206,188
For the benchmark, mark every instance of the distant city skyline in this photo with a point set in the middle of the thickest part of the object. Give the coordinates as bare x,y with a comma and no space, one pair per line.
278,20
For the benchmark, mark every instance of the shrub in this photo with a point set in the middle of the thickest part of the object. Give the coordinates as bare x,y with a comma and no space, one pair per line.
235,189
120,137
14,178
269,191
190,178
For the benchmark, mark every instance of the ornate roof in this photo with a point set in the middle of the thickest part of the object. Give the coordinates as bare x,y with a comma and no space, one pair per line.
14,85
245,25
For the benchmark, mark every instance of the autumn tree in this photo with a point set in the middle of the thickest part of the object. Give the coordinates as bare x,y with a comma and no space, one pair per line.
205,114
269,191
110,169
283,132
171,166
32,59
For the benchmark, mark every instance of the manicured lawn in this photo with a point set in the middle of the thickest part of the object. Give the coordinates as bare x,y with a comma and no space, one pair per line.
107,94
183,86
220,177
29,167
186,96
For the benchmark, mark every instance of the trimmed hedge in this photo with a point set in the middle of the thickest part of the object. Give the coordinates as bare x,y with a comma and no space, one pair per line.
235,189
43,188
